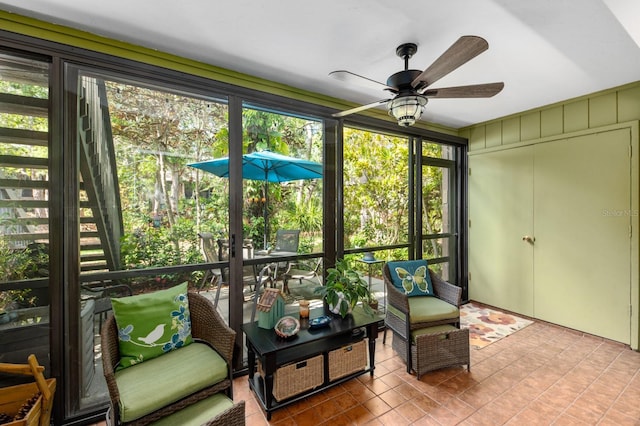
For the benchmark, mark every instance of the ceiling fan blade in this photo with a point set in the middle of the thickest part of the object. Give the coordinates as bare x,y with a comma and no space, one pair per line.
349,77
486,90
360,108
460,52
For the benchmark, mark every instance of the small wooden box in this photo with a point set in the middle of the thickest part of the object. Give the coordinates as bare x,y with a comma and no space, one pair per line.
12,398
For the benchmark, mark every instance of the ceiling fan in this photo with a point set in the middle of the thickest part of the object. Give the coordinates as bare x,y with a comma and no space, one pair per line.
412,87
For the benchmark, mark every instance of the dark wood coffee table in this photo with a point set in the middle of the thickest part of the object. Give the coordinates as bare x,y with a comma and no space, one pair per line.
274,352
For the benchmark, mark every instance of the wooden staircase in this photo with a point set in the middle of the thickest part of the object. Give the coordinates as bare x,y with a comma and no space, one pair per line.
24,173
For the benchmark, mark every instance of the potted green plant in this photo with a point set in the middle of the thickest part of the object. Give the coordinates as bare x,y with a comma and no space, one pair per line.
344,288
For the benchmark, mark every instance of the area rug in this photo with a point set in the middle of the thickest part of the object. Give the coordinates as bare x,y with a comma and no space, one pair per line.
488,325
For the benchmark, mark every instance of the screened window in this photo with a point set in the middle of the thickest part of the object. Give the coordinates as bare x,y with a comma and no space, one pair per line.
376,189
24,211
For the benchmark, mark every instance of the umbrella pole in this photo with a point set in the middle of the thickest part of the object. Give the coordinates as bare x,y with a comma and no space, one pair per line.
264,208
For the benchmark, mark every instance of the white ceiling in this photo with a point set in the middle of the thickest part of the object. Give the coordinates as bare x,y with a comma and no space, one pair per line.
545,51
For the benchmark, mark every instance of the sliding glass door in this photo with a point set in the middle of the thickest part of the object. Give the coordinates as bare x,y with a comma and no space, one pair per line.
142,213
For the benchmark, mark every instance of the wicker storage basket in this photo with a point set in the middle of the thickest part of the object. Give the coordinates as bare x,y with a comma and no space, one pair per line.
347,359
12,398
435,347
297,377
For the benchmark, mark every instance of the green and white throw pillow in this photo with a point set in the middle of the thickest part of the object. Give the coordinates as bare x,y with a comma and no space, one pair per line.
152,324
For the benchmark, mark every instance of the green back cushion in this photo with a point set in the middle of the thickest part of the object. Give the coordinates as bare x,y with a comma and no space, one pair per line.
411,277
152,324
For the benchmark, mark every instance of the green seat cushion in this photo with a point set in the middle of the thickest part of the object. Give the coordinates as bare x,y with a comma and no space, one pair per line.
153,384
411,277
431,330
199,413
426,309
152,324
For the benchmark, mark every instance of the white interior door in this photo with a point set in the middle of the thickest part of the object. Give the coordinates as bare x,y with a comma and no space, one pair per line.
501,213
582,254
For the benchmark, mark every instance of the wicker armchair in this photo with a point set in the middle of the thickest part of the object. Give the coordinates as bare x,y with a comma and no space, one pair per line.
207,326
402,320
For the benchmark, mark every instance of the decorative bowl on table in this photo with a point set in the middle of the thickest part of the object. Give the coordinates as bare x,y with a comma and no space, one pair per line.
287,327
319,322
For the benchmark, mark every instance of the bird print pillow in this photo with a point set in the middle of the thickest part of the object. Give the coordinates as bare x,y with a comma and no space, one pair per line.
411,277
152,324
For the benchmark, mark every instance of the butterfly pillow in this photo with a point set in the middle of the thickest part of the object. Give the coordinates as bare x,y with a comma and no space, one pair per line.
411,277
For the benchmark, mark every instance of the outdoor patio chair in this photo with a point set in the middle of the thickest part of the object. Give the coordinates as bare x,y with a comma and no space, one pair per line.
101,293
287,240
213,275
208,247
408,312
287,243
296,272
251,276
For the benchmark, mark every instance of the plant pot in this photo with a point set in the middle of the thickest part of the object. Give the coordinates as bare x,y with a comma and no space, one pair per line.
374,305
333,310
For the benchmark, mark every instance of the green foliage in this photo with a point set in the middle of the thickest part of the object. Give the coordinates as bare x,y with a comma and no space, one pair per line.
150,246
253,228
376,188
376,176
14,264
18,264
24,89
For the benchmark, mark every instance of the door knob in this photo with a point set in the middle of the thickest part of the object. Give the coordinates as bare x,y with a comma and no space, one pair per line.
529,239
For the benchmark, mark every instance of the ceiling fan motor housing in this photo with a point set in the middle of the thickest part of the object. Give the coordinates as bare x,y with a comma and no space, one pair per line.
402,80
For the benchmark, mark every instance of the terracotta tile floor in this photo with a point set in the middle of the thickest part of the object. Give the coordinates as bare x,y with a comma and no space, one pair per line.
542,374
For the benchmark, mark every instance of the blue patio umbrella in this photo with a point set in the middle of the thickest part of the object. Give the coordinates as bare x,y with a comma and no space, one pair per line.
265,166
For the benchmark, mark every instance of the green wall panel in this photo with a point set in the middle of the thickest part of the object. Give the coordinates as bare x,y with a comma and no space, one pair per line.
629,104
576,116
494,134
477,138
603,110
551,121
511,130
530,126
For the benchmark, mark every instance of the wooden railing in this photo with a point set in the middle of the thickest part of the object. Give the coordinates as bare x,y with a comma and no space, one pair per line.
98,167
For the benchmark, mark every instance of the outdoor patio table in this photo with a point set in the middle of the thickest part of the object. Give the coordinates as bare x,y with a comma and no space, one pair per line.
272,260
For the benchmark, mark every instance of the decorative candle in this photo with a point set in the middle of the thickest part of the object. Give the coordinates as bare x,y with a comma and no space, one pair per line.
304,309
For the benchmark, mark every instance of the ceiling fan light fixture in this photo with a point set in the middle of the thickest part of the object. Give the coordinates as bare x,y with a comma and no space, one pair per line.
407,109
